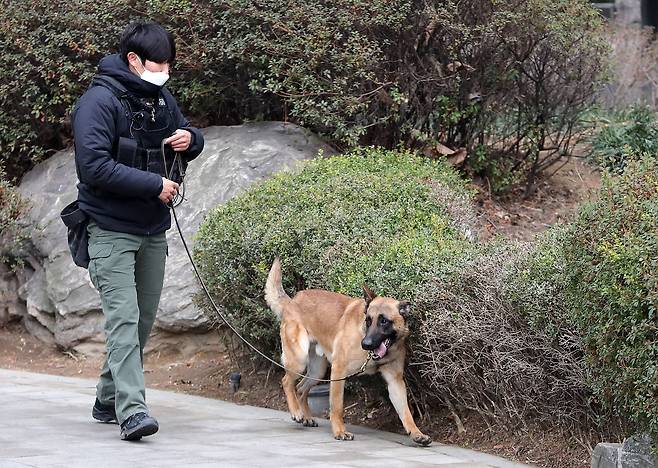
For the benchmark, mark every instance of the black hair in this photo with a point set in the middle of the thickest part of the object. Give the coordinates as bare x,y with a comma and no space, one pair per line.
150,41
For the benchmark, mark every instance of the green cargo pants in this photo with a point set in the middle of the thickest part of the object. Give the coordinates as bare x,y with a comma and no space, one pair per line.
128,271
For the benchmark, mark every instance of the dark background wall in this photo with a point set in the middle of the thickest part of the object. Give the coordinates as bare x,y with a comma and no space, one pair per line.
650,13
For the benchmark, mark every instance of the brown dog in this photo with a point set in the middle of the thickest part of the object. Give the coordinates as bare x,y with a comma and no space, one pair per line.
321,327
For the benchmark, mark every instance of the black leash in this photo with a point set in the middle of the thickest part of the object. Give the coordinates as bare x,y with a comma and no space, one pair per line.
172,205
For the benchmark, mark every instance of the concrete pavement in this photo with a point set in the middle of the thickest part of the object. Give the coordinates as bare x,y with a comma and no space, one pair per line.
45,421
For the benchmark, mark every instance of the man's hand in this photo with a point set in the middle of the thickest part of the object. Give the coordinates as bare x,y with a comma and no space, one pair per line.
180,140
169,190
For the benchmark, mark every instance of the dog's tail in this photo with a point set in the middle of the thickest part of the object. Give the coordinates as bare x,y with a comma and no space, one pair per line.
275,295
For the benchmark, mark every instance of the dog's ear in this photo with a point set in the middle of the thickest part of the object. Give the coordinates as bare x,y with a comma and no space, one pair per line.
405,308
368,295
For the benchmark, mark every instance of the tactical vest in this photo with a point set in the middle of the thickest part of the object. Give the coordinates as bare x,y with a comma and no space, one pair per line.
150,121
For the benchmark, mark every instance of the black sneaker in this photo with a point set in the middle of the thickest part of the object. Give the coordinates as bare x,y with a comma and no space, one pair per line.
104,413
137,426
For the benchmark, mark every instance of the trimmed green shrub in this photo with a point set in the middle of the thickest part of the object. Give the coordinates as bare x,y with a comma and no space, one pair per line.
389,219
612,263
625,135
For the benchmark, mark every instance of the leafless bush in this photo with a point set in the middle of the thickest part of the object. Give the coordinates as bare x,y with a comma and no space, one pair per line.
634,71
506,80
478,350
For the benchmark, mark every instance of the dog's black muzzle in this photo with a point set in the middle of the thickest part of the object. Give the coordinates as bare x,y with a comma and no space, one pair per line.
371,342
377,345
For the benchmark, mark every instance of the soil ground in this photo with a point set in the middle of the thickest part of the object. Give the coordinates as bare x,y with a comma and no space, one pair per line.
204,374
555,200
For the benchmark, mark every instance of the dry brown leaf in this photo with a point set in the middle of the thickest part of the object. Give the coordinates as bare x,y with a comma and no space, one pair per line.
443,149
458,157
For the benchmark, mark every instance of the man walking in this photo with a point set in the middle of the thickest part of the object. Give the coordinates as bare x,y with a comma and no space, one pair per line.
126,184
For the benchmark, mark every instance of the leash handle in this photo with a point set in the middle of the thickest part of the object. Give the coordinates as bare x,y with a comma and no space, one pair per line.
180,195
228,324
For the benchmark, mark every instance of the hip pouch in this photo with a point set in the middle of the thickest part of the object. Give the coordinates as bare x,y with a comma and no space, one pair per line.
76,222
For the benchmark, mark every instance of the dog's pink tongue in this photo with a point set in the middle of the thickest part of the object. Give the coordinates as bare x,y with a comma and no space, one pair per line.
381,350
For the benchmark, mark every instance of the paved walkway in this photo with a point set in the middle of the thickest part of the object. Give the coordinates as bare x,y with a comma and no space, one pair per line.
45,421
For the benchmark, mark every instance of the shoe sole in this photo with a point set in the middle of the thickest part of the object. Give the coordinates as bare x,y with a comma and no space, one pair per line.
140,432
106,421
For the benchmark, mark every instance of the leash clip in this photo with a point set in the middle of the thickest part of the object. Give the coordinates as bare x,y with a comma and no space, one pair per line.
365,364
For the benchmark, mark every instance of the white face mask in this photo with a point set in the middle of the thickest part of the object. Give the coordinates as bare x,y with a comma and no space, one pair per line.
156,78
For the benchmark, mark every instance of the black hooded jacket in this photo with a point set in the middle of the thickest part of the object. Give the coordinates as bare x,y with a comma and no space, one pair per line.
118,197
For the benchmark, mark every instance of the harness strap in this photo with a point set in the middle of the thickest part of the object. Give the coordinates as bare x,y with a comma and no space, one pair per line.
112,84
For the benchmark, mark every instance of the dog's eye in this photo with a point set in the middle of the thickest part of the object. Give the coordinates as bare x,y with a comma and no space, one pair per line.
383,320
368,321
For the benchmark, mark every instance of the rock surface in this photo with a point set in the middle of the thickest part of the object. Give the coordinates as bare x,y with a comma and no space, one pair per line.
635,452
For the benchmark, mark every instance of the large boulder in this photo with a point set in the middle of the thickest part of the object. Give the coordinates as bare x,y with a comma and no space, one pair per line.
61,304
635,452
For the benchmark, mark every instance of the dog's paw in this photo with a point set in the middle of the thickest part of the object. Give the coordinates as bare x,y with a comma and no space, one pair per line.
421,439
310,423
298,418
344,436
